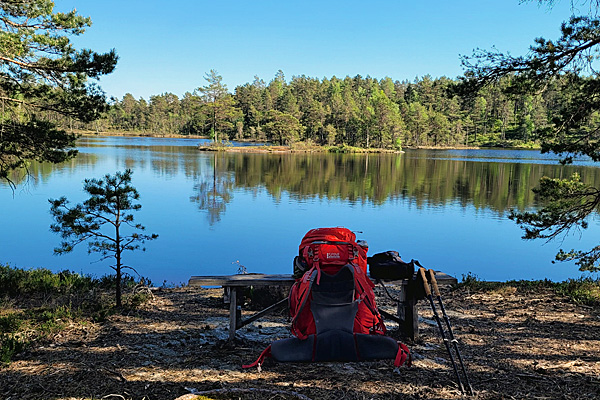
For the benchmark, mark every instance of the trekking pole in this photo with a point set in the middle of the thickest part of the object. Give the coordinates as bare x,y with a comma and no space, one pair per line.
439,322
436,290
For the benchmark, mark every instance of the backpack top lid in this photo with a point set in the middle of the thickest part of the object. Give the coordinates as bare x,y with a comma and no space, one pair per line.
328,249
338,234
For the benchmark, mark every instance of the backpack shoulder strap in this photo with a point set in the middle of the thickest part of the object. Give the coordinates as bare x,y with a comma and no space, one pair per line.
304,289
365,287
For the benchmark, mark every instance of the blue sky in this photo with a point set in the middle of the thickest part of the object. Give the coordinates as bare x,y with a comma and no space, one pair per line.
169,46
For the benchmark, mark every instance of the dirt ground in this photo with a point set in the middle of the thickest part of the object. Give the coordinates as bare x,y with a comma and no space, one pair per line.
516,345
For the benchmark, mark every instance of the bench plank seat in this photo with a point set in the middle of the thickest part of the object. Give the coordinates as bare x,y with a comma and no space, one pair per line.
253,279
406,312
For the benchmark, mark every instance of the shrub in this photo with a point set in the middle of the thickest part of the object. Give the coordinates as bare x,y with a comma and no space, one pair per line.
10,323
581,291
17,281
51,300
9,346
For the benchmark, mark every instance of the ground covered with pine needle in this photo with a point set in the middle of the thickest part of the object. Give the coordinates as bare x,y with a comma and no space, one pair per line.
517,343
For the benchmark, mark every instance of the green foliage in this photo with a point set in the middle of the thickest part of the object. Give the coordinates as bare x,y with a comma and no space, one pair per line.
10,323
562,70
282,128
344,148
472,282
127,282
49,302
397,144
359,112
14,281
100,220
306,146
43,74
567,204
218,105
581,291
218,146
51,320
9,346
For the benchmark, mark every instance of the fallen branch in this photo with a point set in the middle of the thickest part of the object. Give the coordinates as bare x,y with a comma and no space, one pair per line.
247,390
115,373
530,376
113,395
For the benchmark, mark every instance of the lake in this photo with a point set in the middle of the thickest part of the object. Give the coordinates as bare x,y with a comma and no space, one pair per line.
214,211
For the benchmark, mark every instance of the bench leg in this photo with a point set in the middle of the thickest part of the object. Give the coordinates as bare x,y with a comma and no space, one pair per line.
232,313
411,318
407,311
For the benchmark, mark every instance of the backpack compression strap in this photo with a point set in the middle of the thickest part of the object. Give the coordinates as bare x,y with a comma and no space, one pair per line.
314,254
403,356
266,353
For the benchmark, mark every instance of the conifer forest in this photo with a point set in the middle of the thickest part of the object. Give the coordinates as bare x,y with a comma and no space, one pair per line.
353,111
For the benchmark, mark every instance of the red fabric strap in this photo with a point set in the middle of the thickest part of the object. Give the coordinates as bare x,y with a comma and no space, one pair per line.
266,353
403,356
317,266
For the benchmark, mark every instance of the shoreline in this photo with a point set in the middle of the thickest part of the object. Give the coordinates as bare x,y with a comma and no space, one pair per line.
139,134
298,148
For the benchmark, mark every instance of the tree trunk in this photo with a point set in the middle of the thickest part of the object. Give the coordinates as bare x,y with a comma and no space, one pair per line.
118,283
215,121
118,259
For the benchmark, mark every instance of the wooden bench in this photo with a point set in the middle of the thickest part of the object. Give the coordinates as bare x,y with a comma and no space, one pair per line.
406,313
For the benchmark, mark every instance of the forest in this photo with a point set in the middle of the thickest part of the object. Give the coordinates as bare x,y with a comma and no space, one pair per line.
354,111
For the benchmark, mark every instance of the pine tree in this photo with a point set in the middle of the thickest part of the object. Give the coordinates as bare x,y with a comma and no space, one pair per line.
217,100
571,60
41,72
102,220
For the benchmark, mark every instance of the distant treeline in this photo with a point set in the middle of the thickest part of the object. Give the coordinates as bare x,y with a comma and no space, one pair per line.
358,111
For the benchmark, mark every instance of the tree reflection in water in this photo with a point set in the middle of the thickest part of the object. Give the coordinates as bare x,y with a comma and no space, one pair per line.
213,195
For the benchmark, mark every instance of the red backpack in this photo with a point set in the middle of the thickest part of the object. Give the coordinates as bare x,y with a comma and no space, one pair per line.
332,304
328,250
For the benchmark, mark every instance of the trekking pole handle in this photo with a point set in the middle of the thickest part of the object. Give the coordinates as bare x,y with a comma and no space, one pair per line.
436,290
425,283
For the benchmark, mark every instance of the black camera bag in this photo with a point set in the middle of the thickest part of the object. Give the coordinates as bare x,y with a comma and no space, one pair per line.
389,266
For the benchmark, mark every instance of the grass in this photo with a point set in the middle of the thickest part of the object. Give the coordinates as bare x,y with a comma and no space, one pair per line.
584,291
218,146
35,304
299,147
343,148
9,346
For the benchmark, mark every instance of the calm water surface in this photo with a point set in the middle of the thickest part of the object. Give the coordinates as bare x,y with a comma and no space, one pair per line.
445,208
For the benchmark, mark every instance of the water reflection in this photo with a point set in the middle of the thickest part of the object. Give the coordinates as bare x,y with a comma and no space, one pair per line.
444,207
213,195
426,178
37,173
380,178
